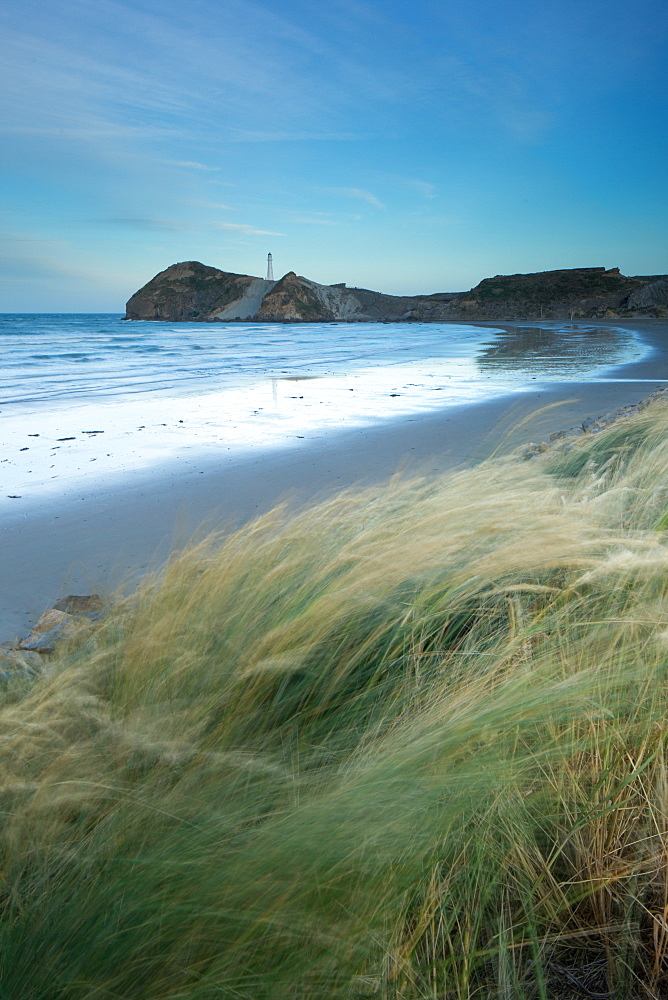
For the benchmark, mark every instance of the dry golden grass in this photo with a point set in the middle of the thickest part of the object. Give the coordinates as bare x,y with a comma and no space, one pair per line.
408,743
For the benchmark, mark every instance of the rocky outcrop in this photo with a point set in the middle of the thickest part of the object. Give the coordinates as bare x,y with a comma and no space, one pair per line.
28,657
294,299
188,291
53,626
192,291
654,294
566,439
21,663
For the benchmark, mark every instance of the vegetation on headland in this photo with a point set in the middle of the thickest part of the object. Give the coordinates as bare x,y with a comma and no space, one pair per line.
191,291
409,743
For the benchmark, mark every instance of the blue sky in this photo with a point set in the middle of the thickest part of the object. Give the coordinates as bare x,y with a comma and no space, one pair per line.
402,147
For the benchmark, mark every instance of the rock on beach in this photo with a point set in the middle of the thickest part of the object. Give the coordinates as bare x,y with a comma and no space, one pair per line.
29,656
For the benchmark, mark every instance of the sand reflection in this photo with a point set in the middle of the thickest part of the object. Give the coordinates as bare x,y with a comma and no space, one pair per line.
539,352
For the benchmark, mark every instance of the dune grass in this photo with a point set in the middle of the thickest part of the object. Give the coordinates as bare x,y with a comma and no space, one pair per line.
408,743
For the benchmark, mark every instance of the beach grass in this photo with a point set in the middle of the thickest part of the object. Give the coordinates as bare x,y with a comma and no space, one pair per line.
407,743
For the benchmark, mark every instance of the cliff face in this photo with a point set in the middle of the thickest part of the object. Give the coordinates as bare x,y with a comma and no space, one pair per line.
654,294
295,300
192,291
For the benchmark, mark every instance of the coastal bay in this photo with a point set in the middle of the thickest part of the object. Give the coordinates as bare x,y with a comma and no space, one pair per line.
333,501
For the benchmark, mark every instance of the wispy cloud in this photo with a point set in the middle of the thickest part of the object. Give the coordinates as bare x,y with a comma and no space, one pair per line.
501,96
305,220
236,227
26,256
527,124
41,258
426,189
360,194
189,165
310,218
302,135
29,238
211,206
147,225
227,247
76,73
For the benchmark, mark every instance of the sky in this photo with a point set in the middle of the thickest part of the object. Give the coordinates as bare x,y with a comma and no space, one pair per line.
404,147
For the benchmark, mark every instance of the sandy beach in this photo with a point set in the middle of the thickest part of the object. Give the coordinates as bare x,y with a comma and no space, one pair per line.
110,537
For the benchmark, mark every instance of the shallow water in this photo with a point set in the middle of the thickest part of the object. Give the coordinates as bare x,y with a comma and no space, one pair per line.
88,396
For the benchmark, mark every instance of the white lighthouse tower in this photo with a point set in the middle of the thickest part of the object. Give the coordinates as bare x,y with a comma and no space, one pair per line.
270,268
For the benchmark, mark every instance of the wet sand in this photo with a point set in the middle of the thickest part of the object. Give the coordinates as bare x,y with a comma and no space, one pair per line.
96,543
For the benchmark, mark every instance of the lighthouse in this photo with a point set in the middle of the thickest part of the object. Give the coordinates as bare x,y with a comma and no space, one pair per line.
270,268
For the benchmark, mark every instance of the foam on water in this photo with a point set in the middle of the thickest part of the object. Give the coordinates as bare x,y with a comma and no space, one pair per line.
87,397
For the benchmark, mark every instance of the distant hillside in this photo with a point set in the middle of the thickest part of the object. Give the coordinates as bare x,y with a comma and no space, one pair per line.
583,292
192,291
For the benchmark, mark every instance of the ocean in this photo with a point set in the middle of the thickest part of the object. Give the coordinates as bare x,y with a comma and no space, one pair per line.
88,397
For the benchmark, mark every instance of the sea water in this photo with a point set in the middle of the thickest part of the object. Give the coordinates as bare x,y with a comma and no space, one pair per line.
84,397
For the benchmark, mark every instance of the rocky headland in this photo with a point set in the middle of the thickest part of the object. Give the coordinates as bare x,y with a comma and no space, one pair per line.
191,291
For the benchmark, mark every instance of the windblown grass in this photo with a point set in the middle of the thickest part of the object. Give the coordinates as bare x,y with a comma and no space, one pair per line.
409,743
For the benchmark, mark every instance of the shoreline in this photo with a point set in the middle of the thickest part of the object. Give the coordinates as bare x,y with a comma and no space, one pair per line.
115,535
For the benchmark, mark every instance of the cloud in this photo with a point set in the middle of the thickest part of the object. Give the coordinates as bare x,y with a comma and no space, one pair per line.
246,135
424,187
189,164
235,227
304,220
33,258
86,71
359,193
227,247
215,206
29,238
309,217
147,225
27,267
524,123
499,93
